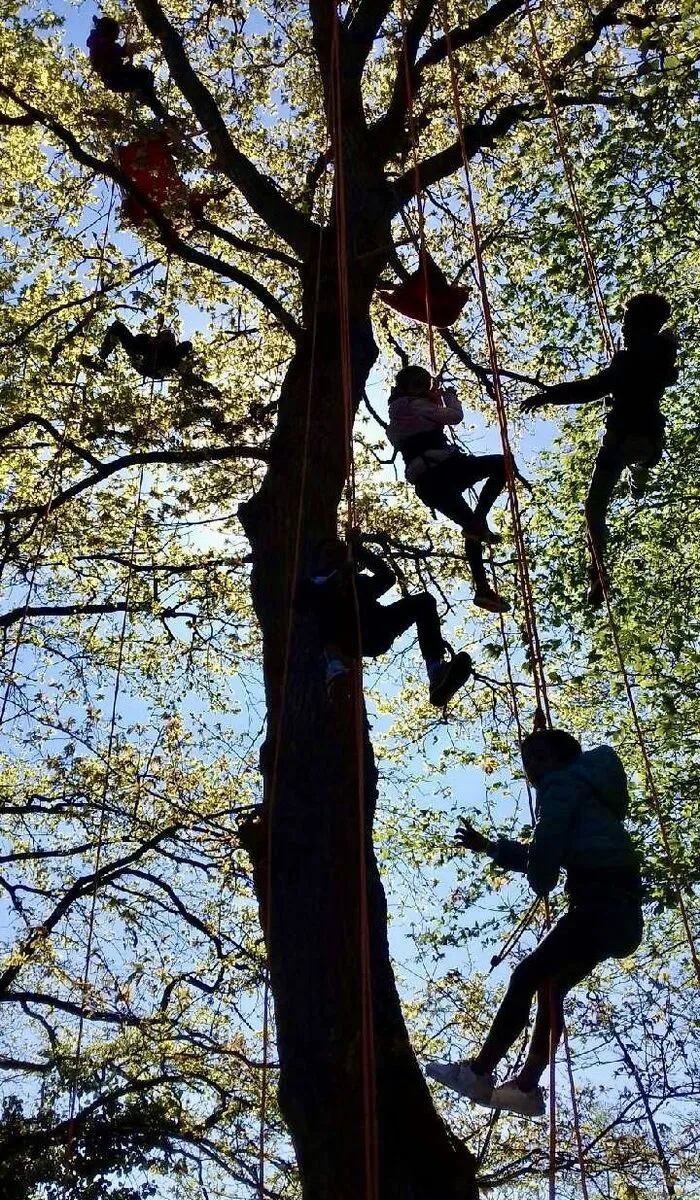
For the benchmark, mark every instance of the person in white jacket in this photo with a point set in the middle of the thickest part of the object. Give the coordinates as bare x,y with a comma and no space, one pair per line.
440,472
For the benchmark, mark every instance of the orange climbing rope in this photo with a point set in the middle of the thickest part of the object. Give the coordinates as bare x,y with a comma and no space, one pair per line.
534,646
274,769
420,203
371,1140
577,209
608,339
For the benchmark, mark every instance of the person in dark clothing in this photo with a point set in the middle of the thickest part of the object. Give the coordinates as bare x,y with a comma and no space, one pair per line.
344,596
112,62
154,356
582,799
635,381
441,473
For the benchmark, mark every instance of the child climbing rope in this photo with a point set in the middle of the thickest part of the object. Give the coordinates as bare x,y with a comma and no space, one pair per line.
441,473
111,60
581,802
155,356
340,608
634,427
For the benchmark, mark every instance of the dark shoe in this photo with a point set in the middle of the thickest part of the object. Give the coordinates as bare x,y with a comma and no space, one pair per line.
449,678
478,531
598,586
485,597
92,364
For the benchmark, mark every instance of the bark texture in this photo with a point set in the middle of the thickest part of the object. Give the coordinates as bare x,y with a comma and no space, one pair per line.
319,806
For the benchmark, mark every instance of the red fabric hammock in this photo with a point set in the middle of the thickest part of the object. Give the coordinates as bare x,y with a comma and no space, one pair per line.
150,165
427,296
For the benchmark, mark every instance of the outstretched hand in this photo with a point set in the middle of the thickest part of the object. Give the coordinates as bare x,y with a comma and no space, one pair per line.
470,838
539,400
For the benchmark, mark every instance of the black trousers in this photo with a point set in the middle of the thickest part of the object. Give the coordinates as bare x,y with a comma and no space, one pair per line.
146,355
127,79
585,936
381,624
441,488
638,452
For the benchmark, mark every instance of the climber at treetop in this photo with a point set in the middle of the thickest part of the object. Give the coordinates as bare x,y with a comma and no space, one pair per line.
343,594
111,60
440,472
634,426
582,800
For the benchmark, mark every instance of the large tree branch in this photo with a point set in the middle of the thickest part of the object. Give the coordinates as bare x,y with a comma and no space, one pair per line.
60,438
389,130
142,458
24,612
92,297
363,27
259,191
171,238
46,1000
247,246
479,137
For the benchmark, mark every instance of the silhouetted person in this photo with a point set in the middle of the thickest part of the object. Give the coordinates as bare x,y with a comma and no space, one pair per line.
635,382
111,60
344,596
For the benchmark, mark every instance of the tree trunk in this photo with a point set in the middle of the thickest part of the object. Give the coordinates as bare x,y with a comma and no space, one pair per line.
320,797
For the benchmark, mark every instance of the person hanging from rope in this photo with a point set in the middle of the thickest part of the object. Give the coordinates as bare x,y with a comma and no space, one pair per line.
582,800
344,597
111,61
154,356
635,382
440,472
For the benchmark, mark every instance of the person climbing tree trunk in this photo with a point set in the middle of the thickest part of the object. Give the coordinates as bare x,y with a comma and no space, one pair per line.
320,798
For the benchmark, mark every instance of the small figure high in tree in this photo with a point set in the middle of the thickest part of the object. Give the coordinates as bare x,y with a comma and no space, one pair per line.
111,60
153,355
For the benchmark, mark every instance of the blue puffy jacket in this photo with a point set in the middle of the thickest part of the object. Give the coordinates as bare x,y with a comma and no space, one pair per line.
580,811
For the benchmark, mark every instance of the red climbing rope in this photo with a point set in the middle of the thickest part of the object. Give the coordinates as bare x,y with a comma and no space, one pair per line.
535,659
420,204
284,682
371,1147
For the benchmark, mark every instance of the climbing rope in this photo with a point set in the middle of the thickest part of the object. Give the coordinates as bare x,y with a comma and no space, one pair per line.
284,683
576,206
534,646
581,226
369,1099
420,203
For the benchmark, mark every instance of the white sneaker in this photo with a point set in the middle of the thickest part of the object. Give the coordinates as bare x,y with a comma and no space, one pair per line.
461,1078
512,1098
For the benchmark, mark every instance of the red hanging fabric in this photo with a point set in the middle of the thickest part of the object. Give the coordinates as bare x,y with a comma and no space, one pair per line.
427,296
150,165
